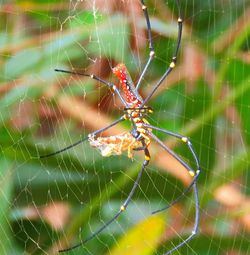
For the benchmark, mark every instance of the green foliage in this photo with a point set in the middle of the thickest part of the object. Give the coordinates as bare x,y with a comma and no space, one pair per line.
6,182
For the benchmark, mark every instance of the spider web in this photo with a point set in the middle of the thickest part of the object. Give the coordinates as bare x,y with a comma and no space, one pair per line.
53,203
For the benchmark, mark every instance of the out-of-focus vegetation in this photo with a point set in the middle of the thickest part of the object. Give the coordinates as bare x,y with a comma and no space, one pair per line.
51,203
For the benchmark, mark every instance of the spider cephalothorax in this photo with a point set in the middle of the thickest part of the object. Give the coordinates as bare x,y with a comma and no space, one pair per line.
140,135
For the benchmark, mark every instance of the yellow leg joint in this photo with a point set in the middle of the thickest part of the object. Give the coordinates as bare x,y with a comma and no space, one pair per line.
125,116
191,173
180,20
172,65
184,139
122,208
152,53
147,158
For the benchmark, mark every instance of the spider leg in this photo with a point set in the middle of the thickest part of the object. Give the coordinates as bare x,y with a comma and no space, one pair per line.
94,77
122,208
194,174
109,84
174,58
196,222
195,188
84,138
151,46
165,147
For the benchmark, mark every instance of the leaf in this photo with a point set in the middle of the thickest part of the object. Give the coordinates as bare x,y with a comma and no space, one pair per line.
142,239
111,43
16,95
13,68
212,244
242,104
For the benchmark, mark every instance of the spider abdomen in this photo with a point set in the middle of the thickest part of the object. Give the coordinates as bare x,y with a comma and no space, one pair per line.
132,97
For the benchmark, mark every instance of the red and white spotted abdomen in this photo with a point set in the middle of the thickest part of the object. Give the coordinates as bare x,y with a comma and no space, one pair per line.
131,95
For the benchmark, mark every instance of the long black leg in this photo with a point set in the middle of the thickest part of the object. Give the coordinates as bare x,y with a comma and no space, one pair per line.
190,170
194,185
196,222
179,197
122,208
194,174
174,58
94,77
178,136
84,138
150,41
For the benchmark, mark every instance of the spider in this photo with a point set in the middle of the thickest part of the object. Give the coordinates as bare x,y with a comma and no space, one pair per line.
140,136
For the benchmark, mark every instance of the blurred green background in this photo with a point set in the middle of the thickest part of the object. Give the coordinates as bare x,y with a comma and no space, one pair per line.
52,203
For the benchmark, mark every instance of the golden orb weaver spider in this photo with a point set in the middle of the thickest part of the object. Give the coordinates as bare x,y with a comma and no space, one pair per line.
140,136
